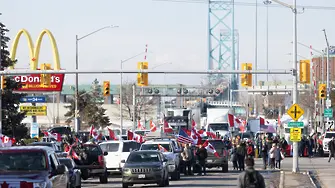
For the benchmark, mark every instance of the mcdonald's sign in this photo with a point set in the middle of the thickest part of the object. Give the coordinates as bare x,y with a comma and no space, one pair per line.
33,82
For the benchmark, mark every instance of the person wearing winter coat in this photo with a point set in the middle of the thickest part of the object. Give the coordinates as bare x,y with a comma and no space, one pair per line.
264,151
241,153
234,157
250,177
273,155
331,147
279,156
202,156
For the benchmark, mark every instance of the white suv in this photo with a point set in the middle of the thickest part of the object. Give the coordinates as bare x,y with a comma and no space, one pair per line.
326,139
171,150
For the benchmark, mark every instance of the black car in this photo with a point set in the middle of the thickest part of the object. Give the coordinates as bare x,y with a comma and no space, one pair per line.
145,167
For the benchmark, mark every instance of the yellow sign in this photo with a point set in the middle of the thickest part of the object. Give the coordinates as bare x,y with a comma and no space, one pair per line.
34,51
34,110
295,112
295,134
142,65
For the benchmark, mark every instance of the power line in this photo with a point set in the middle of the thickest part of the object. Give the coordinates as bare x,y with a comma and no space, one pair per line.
250,4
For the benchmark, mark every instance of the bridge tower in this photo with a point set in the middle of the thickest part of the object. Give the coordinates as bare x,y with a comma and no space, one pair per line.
222,43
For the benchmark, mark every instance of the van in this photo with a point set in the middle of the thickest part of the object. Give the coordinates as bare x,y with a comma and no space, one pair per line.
118,150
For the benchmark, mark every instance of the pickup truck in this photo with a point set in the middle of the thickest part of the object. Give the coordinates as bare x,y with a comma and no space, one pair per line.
31,166
91,161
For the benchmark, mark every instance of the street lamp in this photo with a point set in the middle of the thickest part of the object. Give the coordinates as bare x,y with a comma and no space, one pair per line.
76,112
293,7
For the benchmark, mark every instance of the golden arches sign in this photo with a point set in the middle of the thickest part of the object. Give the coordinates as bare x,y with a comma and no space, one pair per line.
34,51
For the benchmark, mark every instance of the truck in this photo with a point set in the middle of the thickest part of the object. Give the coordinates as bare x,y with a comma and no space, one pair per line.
217,119
179,118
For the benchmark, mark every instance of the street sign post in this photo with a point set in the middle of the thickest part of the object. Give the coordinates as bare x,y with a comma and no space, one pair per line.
34,110
33,99
295,112
295,124
328,113
295,134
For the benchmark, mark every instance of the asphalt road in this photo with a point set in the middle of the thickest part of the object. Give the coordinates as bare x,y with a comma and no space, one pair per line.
213,179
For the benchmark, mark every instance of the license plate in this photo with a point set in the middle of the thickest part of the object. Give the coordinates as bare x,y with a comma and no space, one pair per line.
141,176
209,161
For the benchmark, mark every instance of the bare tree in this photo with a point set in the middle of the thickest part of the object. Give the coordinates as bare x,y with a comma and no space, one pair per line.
143,103
307,100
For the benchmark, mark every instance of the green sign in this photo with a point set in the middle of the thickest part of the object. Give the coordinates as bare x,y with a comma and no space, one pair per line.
296,124
328,113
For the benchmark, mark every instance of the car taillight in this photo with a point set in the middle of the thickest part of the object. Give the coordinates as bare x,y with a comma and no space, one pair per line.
24,184
101,160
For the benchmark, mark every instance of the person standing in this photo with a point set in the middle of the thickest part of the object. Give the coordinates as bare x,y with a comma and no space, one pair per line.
264,151
273,155
234,157
187,156
202,156
250,177
331,148
279,156
241,153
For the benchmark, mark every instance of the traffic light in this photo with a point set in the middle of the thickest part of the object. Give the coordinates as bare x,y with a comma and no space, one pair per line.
305,71
142,78
322,91
246,79
3,82
45,78
106,88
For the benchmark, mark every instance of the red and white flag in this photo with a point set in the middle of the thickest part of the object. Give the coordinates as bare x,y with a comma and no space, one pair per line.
209,134
112,135
195,136
194,124
161,148
55,136
167,127
153,127
133,136
234,121
94,133
210,148
140,125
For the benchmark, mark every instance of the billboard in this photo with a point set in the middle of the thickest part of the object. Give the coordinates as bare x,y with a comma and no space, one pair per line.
33,82
34,110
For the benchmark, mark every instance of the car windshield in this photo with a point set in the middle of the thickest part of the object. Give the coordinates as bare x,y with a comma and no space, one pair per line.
67,162
110,147
159,147
93,149
329,135
22,161
143,157
219,126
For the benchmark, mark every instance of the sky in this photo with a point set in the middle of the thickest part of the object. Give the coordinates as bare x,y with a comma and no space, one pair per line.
176,34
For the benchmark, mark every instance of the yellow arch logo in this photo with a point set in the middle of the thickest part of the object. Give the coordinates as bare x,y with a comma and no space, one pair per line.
34,51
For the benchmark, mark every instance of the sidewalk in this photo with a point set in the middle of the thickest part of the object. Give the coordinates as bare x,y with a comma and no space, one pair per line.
296,180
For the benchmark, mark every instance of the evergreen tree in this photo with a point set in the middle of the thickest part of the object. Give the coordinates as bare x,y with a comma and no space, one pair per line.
11,117
90,107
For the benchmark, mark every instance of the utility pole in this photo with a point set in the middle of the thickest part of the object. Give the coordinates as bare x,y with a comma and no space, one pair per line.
134,107
327,77
256,57
295,167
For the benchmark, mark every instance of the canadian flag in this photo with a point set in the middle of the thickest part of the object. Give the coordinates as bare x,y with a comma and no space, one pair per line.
210,148
6,141
140,125
161,148
153,127
194,124
167,127
55,136
203,133
112,135
94,133
133,136
263,122
195,136
233,121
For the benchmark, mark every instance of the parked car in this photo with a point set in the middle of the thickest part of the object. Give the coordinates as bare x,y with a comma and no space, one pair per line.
31,166
74,174
145,167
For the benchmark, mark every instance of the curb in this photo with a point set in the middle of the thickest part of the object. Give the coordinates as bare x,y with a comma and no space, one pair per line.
313,180
281,179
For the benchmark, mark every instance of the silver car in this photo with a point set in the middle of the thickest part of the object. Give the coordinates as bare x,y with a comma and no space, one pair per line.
74,174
